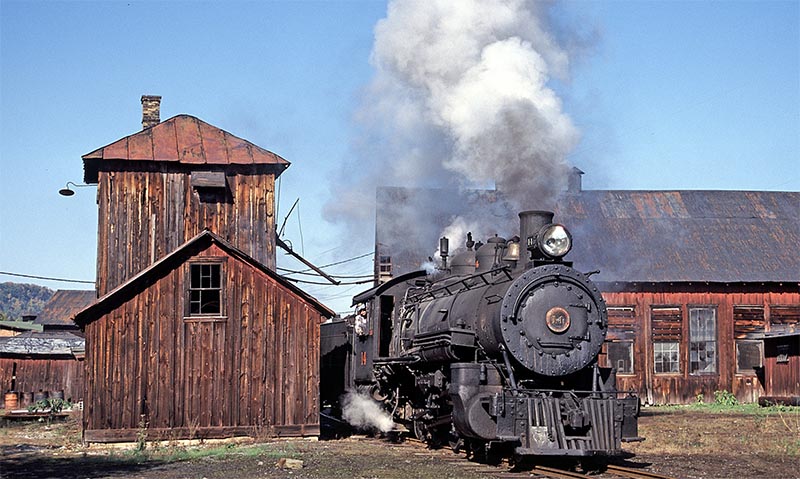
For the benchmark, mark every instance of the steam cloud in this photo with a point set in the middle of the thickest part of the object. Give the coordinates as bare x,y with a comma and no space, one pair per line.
363,413
460,99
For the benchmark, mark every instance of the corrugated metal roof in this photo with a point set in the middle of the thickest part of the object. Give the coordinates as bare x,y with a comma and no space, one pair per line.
685,236
60,309
630,236
183,139
57,343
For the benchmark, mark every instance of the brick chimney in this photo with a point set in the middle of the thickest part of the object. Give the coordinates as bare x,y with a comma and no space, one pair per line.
151,111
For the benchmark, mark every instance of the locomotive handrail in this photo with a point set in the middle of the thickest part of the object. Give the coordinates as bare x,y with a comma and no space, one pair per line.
464,282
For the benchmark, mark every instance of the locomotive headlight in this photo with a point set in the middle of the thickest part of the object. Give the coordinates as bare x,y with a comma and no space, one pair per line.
555,241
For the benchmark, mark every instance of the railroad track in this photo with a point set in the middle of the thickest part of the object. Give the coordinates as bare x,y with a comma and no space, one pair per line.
503,471
555,473
634,473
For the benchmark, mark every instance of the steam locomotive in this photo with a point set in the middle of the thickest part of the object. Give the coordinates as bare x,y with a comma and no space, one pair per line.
495,352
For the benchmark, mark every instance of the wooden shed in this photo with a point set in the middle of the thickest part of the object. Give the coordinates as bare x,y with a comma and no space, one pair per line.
205,343
50,360
693,279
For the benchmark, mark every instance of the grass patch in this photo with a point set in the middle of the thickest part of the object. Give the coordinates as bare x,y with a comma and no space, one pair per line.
721,428
176,453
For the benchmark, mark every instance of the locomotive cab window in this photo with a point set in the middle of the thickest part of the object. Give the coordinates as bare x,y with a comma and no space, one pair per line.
204,295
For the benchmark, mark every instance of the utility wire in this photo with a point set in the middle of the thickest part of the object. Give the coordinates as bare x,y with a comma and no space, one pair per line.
339,262
337,276
295,280
46,278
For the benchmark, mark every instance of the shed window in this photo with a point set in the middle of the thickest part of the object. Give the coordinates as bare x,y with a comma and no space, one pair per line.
620,356
748,356
205,289
702,340
666,357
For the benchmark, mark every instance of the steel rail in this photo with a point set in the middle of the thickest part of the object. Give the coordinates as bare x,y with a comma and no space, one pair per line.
635,473
557,473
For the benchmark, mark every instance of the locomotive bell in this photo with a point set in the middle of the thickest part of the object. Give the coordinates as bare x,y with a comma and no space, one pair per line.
512,250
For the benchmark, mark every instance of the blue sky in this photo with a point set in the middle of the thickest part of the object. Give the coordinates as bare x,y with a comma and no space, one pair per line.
665,95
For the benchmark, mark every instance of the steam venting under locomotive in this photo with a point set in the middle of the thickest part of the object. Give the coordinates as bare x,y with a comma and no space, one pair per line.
497,350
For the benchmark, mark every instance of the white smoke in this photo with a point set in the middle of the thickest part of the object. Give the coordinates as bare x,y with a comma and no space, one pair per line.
461,99
362,412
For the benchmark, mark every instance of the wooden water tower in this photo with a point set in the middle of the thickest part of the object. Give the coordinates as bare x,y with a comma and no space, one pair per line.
161,186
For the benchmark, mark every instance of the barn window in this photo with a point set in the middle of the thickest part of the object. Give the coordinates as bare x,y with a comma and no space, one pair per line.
702,340
205,289
784,315
620,356
748,356
667,325
666,357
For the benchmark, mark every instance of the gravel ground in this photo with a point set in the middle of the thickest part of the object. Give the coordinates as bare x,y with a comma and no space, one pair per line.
681,442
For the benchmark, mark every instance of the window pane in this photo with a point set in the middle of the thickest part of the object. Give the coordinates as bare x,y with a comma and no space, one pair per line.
214,271
702,324
195,276
205,289
210,304
194,302
703,340
620,356
703,357
748,356
666,357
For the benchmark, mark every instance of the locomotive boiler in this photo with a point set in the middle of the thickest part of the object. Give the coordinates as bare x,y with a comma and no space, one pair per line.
496,351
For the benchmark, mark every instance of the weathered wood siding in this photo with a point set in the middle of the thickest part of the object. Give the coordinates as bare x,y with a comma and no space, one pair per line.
254,370
148,213
684,387
52,374
782,373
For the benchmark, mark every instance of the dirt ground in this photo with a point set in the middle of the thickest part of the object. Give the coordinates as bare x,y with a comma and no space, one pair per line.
681,442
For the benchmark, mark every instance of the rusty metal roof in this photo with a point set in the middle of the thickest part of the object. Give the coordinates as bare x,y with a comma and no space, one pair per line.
52,343
186,140
630,236
63,305
685,236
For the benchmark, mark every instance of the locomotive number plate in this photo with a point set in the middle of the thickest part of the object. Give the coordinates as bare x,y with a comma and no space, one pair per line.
557,319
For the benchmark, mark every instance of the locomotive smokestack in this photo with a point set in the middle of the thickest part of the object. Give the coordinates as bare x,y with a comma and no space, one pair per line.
529,223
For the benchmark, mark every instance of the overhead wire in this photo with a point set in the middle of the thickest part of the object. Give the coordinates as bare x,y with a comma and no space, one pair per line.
63,280
337,276
303,281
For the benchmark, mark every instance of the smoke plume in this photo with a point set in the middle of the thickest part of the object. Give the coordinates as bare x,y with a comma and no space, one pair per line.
363,413
460,99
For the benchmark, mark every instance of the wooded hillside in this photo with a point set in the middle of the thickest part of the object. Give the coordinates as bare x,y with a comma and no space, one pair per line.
17,299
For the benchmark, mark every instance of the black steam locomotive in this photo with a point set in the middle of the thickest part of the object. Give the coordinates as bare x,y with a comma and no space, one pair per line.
492,352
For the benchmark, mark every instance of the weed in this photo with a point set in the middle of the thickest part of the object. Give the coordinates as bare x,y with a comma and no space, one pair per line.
52,406
725,398
141,434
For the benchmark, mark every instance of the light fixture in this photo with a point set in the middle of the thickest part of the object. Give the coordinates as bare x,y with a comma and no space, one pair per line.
66,191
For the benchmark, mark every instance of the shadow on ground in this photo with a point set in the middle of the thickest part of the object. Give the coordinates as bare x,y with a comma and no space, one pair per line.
34,462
